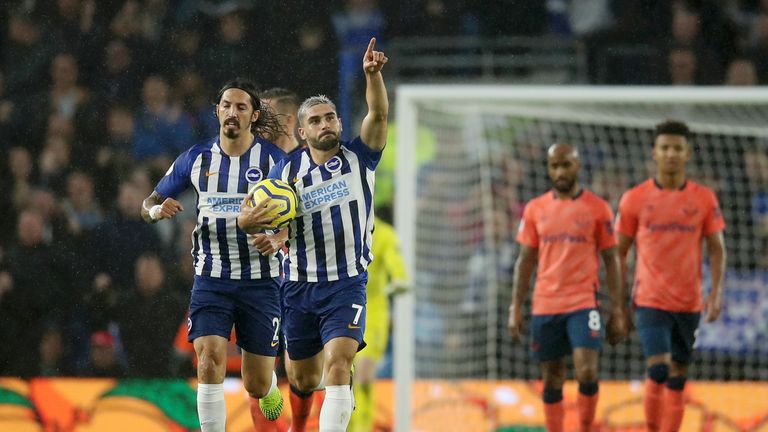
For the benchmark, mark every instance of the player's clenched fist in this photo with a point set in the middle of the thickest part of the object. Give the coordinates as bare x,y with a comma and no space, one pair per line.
168,209
155,208
373,61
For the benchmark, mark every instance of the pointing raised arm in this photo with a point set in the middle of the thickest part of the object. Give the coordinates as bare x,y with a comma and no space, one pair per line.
374,129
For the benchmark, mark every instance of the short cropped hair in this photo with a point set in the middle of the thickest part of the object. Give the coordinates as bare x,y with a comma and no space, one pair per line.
312,101
282,98
673,127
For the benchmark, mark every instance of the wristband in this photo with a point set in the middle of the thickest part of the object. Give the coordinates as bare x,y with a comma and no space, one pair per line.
155,211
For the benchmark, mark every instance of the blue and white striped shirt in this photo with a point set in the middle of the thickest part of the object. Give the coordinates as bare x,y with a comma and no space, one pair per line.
330,238
221,249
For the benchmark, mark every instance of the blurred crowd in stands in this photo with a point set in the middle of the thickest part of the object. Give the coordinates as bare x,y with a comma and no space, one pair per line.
98,96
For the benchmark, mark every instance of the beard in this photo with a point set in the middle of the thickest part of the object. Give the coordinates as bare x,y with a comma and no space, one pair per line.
563,185
231,133
325,144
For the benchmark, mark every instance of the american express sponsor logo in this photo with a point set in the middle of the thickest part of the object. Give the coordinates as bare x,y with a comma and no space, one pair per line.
224,204
324,194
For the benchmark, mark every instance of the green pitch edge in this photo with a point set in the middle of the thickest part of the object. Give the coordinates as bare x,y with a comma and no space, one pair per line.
10,397
521,428
176,399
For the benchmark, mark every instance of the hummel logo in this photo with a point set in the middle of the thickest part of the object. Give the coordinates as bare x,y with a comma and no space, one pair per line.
208,173
350,326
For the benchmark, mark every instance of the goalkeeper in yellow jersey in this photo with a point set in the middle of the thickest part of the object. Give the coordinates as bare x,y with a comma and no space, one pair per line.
386,275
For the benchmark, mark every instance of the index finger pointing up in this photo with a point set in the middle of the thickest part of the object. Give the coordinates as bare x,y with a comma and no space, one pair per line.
369,51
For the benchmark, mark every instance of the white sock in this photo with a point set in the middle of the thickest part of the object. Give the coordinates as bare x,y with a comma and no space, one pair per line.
337,407
274,383
211,408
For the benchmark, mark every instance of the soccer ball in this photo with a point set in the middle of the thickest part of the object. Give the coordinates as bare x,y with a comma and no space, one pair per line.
283,197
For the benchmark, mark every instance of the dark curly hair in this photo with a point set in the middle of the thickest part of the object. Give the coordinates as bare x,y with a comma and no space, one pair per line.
267,123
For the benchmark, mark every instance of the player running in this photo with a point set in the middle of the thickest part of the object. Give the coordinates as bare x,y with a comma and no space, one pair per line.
234,284
329,245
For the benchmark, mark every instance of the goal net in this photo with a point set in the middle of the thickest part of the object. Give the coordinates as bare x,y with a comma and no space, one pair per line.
457,214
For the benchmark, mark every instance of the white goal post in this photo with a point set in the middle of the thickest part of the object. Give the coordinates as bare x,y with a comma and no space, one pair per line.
487,142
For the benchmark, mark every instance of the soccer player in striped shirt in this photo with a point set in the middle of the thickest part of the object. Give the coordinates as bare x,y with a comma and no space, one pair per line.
329,243
285,104
668,217
565,230
234,283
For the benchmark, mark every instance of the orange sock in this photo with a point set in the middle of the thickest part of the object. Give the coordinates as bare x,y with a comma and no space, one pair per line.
259,421
654,404
674,399
301,406
587,403
554,412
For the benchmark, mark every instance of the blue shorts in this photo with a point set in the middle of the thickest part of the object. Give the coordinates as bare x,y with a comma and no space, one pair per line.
252,306
555,336
667,332
316,312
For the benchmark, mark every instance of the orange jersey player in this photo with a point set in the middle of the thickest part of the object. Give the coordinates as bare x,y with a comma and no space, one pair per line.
565,230
668,217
